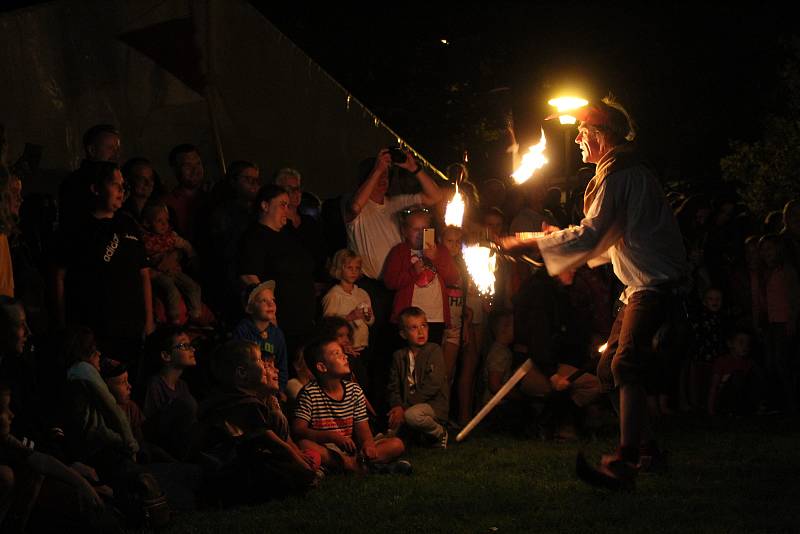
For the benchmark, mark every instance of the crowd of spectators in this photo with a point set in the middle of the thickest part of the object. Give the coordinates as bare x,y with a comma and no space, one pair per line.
234,340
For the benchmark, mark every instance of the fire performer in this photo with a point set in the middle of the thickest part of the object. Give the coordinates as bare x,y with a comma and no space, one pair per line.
629,223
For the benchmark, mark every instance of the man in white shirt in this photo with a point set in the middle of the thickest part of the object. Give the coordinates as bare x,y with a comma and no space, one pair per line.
373,229
371,216
629,223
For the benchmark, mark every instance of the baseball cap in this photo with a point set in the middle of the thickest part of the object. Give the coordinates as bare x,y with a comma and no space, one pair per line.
269,284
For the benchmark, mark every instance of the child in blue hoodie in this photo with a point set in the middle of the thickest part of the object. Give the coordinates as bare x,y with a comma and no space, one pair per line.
261,327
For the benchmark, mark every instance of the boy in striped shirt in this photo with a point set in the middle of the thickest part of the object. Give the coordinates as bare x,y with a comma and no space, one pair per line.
331,417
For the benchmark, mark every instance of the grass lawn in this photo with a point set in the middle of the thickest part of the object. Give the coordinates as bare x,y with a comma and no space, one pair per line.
727,475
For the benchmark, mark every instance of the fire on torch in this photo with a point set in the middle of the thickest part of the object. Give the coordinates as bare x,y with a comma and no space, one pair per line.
454,214
481,263
480,260
532,161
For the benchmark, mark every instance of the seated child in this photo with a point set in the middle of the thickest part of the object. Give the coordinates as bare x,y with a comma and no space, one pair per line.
169,406
336,328
248,433
347,300
179,481
736,381
340,330
98,433
331,416
164,247
97,429
261,327
73,503
418,386
115,375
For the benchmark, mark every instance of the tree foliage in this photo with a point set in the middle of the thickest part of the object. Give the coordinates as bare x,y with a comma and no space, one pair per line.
767,171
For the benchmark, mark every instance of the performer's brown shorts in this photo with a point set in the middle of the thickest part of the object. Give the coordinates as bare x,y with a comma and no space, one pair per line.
629,355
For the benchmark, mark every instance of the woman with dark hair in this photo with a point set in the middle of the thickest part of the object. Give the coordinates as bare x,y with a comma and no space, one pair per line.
266,253
102,279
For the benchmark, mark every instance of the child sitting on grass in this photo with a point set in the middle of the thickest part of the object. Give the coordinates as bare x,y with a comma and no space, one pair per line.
97,429
165,249
418,385
331,416
341,331
169,406
115,375
247,432
178,480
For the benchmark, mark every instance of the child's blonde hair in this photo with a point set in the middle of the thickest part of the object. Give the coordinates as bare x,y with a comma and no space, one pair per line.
340,259
150,211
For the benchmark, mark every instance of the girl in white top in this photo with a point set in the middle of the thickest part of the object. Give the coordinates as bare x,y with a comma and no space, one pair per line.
348,300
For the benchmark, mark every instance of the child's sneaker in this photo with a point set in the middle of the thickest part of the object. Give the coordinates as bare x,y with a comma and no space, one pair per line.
441,443
613,474
403,467
400,467
319,476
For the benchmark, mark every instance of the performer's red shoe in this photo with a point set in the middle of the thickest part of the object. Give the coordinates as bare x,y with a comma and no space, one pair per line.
613,473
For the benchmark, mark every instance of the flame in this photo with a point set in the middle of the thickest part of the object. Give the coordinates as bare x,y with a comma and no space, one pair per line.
454,214
531,161
602,348
481,263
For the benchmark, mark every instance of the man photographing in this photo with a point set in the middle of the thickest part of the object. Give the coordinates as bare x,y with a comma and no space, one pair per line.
629,223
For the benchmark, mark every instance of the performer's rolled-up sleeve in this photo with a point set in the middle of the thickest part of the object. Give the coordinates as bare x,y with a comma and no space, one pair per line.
599,230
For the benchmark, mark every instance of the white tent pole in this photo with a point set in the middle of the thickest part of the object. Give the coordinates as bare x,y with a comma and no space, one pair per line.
209,91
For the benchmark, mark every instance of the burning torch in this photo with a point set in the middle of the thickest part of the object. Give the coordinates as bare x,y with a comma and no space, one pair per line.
481,262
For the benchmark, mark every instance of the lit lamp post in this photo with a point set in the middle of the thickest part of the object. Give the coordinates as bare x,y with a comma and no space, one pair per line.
563,105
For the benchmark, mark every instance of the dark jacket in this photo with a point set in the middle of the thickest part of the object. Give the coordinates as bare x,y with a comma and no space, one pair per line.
430,373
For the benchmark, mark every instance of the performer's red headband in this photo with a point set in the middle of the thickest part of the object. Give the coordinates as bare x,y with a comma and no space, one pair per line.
592,115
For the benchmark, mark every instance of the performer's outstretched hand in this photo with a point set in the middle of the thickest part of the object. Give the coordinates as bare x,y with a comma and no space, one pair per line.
510,243
549,228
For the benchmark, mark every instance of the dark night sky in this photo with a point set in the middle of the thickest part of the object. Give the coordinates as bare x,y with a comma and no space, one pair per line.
693,76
